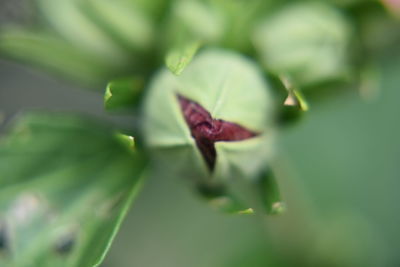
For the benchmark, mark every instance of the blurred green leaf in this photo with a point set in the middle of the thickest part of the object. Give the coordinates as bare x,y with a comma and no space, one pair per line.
238,19
51,53
177,59
254,254
154,8
66,185
123,21
192,21
123,93
309,41
199,19
69,20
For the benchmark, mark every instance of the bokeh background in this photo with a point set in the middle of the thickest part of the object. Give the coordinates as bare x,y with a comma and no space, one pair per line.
338,169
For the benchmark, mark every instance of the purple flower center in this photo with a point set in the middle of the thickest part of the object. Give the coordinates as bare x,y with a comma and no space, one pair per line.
206,130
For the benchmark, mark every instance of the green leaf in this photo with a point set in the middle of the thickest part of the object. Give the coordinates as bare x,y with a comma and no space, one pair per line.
199,19
50,53
123,21
238,19
69,20
178,58
66,184
123,93
307,40
154,9
189,22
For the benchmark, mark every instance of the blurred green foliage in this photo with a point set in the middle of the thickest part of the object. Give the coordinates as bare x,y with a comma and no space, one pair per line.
66,184
312,42
68,181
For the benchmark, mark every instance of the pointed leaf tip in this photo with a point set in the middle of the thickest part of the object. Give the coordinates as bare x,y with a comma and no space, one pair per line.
123,93
178,58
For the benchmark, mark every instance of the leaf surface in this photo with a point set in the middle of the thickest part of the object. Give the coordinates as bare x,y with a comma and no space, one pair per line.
65,185
51,53
178,58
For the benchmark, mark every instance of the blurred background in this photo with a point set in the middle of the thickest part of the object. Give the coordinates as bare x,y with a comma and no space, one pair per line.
338,169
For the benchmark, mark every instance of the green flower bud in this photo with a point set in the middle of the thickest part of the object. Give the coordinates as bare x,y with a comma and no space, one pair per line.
307,41
220,101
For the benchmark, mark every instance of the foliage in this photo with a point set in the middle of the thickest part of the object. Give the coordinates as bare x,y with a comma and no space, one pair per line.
271,57
54,170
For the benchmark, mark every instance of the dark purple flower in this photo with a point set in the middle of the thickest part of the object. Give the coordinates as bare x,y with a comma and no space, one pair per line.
207,130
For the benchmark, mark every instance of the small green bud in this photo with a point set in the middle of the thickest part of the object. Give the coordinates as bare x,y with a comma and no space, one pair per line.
220,101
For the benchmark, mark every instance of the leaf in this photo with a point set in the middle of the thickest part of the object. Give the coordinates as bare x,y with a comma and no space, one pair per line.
307,40
190,22
239,18
66,184
178,58
199,19
154,9
50,53
123,93
123,21
69,20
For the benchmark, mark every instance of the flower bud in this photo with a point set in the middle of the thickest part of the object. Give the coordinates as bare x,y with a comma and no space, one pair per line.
212,123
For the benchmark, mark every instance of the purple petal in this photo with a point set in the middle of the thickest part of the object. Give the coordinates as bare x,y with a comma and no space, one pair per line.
206,130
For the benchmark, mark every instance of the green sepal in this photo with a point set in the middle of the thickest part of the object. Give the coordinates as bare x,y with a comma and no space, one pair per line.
294,104
223,200
127,140
123,93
